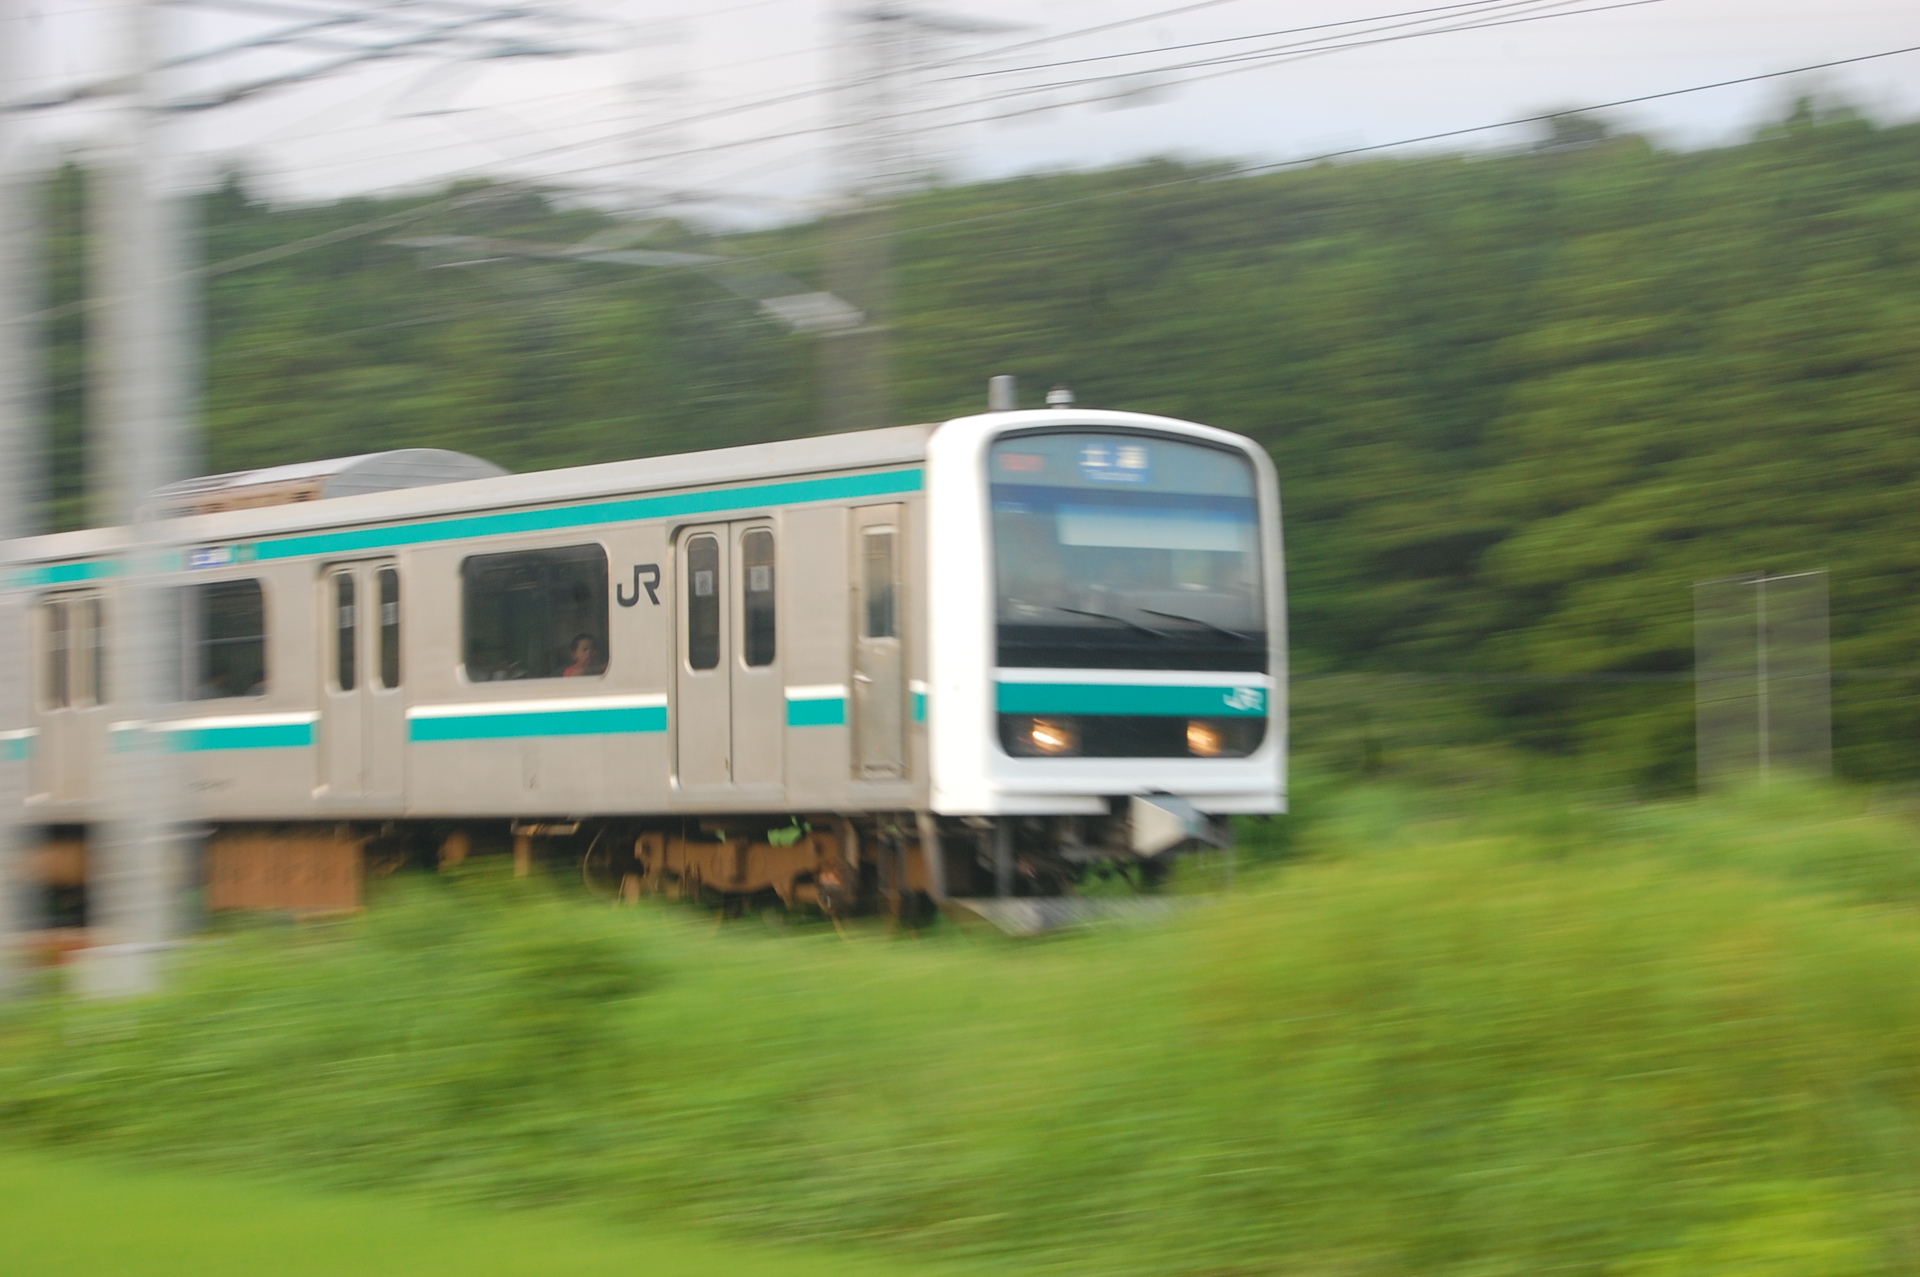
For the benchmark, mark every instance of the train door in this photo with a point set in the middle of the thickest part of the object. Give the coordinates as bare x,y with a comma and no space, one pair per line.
69,700
729,704
879,663
363,722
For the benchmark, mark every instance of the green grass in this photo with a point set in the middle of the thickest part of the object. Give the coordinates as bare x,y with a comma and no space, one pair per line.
59,1217
1460,1033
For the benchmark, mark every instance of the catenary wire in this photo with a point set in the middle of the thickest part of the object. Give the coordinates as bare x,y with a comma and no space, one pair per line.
811,130
1049,205
1231,39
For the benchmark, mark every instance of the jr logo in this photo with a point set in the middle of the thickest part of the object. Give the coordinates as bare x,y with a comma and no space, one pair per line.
1245,698
645,576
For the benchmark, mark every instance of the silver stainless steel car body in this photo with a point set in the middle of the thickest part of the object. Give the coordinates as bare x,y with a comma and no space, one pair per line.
837,713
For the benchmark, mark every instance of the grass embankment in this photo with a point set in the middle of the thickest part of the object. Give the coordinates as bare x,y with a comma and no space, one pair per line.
1505,1039
62,1218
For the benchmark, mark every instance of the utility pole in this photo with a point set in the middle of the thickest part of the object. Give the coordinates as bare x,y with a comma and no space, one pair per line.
19,473
143,340
138,867
875,48
885,47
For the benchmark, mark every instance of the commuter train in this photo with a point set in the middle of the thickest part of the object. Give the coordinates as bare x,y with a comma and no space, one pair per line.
901,667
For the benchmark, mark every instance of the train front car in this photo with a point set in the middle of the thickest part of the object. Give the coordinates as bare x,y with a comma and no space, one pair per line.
1107,643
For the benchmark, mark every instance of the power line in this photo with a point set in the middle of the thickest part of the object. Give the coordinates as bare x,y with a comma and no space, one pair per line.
1011,94
1231,39
792,97
1533,11
374,225
1171,183
821,89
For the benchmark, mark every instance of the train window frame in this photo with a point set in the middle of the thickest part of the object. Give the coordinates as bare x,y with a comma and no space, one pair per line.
389,674
880,610
56,670
705,632
196,665
597,626
344,612
759,600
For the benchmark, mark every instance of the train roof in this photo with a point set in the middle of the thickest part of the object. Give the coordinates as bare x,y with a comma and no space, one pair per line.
892,445
321,480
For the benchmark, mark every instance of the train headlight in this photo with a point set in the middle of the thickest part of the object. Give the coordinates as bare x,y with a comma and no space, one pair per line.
1041,737
1203,739
1050,736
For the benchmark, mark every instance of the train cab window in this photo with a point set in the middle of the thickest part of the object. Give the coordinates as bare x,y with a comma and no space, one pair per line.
877,558
756,558
225,628
703,602
531,613
389,628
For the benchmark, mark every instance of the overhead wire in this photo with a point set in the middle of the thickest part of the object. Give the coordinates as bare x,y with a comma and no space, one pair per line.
1321,157
811,130
814,129
1305,53
1481,18
1231,39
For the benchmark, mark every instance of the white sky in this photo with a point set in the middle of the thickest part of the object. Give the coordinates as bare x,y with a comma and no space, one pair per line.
406,124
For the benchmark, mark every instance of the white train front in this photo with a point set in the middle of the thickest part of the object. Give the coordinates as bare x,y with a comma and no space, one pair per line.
912,664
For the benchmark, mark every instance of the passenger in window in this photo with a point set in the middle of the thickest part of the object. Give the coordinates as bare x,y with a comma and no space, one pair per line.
586,658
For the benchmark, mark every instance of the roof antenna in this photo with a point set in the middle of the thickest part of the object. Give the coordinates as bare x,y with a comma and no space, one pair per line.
1001,396
1060,396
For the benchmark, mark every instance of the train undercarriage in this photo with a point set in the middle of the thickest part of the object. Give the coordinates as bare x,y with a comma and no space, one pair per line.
907,865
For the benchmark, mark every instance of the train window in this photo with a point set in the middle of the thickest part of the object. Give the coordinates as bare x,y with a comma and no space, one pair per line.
93,637
877,555
58,694
225,627
76,653
756,561
389,627
345,674
703,602
534,614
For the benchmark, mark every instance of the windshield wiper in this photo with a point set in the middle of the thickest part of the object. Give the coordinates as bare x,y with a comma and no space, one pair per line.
1217,629
1117,620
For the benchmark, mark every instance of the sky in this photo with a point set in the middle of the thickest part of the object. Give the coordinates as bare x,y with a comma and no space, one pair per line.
722,111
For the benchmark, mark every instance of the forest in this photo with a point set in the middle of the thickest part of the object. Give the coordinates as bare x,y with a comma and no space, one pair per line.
1520,402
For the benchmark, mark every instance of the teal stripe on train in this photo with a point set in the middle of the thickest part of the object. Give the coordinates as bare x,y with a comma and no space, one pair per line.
819,711
1223,701
16,750
64,574
626,510
198,740
618,721
202,740
595,514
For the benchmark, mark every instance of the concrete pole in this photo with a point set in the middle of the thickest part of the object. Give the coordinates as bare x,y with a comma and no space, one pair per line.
874,163
137,863
18,452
